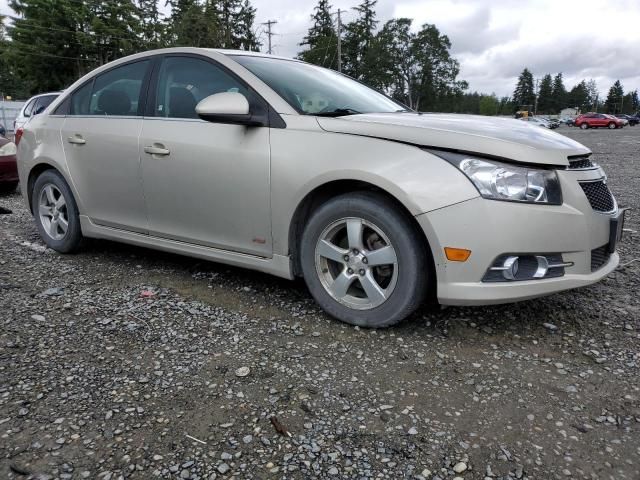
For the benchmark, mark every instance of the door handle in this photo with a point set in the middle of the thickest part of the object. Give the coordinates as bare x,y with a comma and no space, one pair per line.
156,149
76,140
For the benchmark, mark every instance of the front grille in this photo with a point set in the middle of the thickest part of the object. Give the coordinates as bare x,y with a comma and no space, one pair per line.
598,195
599,256
578,163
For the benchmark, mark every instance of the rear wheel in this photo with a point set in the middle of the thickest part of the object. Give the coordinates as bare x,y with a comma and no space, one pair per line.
363,260
584,126
611,125
56,212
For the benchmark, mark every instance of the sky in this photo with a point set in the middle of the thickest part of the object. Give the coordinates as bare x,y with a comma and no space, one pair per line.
495,39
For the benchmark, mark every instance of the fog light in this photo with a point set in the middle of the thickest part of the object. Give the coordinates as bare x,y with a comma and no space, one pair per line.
526,267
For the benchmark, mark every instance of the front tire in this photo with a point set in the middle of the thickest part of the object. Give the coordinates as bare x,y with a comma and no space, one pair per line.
364,261
56,212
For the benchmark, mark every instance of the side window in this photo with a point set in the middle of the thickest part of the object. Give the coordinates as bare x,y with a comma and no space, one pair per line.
80,100
42,103
29,108
117,92
184,81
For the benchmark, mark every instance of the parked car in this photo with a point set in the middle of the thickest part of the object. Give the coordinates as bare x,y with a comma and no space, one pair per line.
8,166
631,120
34,106
538,121
295,170
569,121
596,120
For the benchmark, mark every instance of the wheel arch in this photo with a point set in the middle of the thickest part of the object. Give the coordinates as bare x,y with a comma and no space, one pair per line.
321,193
34,173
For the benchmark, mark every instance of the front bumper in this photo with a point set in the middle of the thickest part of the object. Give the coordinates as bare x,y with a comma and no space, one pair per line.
8,169
492,228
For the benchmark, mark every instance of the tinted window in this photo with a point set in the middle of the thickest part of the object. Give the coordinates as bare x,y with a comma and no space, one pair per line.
184,81
117,92
80,100
29,108
42,103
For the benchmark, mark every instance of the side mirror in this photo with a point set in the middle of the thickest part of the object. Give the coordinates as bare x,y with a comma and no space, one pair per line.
227,107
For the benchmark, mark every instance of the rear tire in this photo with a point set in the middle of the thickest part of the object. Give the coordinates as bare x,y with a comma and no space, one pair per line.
584,126
364,261
56,212
611,125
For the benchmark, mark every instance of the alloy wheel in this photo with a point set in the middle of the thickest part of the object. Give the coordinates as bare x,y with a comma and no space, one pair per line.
356,263
52,210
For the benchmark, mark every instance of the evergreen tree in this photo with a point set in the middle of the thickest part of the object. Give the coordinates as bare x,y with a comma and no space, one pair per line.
579,97
152,27
321,38
545,95
559,95
524,94
246,38
613,103
357,61
594,95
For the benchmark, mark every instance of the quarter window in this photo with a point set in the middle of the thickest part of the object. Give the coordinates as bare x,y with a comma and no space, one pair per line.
184,81
28,108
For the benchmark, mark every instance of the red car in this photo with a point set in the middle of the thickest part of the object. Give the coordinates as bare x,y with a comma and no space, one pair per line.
8,166
594,120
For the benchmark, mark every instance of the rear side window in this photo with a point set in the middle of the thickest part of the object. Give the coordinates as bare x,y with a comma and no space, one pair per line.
114,93
42,103
117,92
80,100
29,108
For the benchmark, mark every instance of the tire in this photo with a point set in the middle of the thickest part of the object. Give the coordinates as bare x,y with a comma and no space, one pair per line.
367,222
611,126
8,188
584,126
52,205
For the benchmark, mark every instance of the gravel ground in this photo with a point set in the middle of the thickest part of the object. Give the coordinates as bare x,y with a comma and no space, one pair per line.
121,362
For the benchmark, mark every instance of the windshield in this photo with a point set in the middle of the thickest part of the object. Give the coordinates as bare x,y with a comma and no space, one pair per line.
313,90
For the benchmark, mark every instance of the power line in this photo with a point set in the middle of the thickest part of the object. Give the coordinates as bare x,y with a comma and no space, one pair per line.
270,34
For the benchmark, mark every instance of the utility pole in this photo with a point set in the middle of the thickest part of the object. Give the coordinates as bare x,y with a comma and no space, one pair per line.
339,41
269,32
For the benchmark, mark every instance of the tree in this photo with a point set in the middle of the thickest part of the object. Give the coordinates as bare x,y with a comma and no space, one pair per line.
631,103
245,35
357,60
489,105
153,33
613,103
594,95
579,97
524,94
321,39
545,94
559,94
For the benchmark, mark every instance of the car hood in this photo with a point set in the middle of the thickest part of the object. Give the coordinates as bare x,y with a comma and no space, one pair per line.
500,137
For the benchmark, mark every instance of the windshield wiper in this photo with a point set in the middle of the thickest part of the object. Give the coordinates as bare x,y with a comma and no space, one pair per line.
338,112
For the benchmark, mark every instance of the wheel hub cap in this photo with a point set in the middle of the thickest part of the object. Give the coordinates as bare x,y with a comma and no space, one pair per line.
356,263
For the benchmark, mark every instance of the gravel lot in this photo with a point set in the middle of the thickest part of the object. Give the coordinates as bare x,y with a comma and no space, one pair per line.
121,362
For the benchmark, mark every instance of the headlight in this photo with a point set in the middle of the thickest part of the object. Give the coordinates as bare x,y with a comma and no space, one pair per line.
503,181
8,149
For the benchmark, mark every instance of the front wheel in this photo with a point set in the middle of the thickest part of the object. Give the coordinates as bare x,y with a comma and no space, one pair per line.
584,126
364,261
56,212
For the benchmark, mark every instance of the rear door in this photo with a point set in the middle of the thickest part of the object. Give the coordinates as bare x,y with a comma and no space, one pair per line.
204,183
100,137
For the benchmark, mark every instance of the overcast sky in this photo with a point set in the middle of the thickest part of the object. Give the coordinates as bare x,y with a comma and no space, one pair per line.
495,39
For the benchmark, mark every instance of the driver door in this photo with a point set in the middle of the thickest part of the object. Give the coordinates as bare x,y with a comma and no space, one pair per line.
204,183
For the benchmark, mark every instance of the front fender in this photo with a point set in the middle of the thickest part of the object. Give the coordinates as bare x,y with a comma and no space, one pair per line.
303,160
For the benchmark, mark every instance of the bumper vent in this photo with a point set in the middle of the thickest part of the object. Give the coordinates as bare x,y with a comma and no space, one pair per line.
599,196
599,257
580,163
